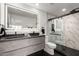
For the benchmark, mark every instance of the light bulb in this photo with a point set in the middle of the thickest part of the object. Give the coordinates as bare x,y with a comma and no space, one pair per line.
64,9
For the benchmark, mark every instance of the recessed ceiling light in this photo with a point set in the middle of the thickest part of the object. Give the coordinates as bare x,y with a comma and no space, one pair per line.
37,4
64,9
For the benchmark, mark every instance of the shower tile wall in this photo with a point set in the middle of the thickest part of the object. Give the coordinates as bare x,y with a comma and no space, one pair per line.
71,31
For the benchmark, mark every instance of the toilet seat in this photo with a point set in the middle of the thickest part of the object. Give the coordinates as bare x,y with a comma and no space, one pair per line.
51,45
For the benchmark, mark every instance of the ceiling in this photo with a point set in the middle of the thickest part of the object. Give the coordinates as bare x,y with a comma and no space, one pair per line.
55,8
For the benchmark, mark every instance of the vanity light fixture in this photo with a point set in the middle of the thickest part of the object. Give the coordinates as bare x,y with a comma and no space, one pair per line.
64,9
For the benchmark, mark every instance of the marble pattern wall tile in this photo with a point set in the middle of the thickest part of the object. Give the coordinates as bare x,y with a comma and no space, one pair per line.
71,32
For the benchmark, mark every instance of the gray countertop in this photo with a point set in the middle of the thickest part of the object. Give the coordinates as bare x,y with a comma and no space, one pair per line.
4,39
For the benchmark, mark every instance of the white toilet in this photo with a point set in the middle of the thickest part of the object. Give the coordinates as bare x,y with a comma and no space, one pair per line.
49,47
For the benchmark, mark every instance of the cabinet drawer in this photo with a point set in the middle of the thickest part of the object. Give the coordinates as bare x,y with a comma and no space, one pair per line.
12,45
24,51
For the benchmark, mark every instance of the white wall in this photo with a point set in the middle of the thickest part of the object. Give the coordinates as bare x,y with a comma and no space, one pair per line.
49,23
42,17
2,14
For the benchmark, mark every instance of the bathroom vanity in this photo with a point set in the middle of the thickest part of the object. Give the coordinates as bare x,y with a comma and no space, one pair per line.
21,46
20,20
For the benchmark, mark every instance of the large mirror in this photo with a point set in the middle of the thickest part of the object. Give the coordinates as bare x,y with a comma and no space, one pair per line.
20,19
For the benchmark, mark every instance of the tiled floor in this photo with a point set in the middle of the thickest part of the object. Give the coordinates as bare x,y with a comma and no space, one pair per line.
43,53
